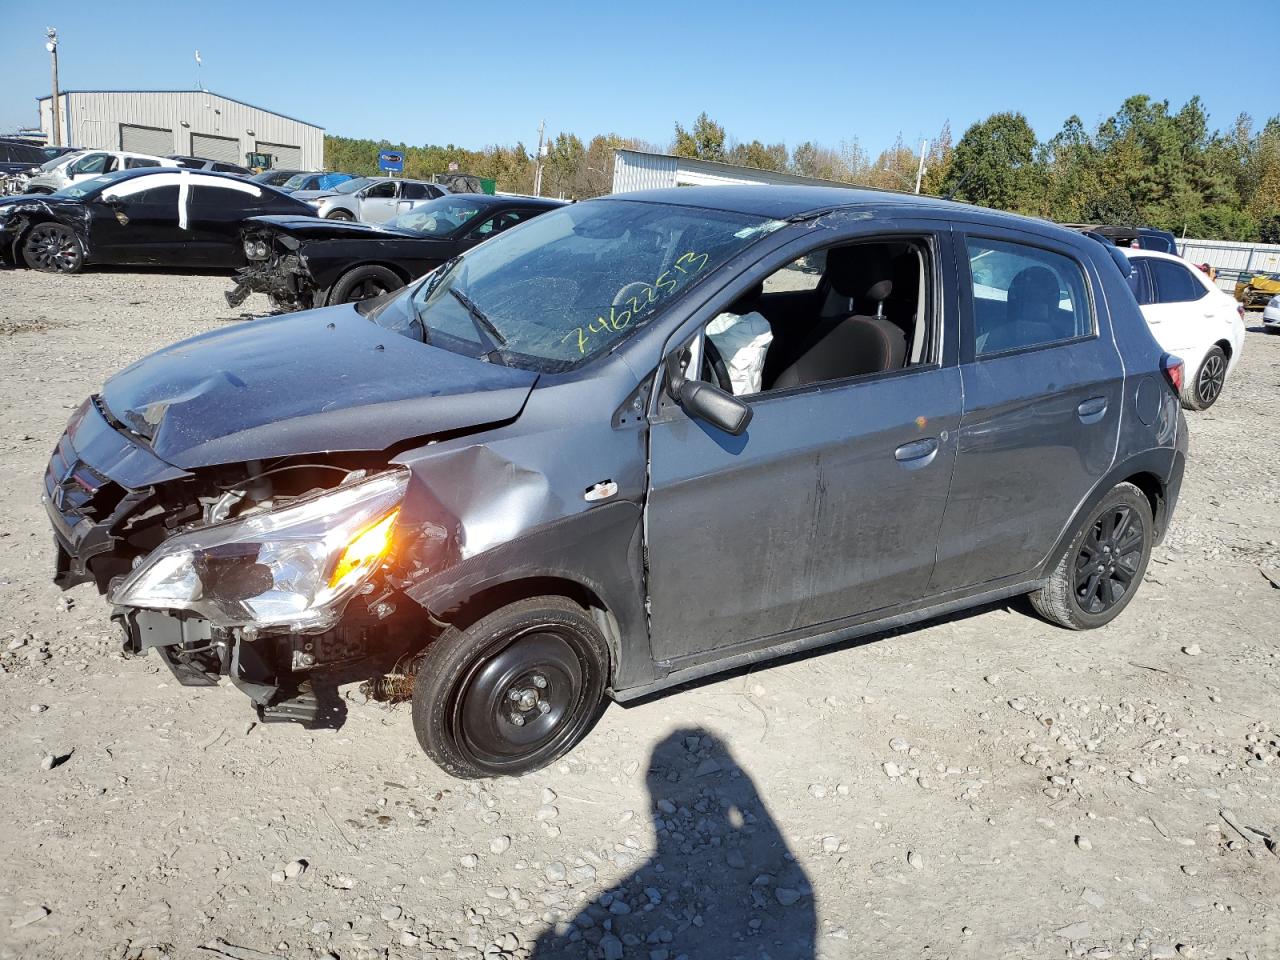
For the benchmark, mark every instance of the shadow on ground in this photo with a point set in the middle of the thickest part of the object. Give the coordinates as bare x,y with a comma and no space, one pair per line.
722,882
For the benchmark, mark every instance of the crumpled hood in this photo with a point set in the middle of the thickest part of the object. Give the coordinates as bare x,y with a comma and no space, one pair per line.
311,382
318,228
311,195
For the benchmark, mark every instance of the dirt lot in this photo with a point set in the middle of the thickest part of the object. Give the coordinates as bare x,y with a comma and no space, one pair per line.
986,787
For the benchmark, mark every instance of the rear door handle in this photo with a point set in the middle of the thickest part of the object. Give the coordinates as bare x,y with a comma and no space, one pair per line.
1091,410
917,453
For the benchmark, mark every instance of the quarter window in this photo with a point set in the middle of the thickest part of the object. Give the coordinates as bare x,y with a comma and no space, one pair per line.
1174,282
1024,296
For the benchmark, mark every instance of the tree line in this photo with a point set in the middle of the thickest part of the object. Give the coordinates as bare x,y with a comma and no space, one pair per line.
1147,164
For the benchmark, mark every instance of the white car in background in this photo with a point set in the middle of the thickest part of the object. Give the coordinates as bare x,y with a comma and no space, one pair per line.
1191,318
1271,315
72,168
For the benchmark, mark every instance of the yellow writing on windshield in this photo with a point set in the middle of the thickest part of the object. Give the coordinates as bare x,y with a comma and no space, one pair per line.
645,294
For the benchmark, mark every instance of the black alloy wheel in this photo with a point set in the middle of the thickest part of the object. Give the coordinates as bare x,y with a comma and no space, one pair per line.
1101,568
1109,558
364,283
513,692
52,248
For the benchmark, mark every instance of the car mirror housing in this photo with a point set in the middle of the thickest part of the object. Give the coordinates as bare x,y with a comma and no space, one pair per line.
714,406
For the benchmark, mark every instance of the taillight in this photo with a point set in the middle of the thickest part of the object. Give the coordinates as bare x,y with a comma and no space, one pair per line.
1173,370
1240,310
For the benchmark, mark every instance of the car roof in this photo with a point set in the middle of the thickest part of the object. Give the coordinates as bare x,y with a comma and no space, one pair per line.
782,202
150,171
515,200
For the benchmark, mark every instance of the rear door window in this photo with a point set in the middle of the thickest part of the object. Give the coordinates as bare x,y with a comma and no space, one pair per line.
1174,282
1025,296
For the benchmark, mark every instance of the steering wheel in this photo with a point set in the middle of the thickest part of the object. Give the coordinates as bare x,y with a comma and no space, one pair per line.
713,366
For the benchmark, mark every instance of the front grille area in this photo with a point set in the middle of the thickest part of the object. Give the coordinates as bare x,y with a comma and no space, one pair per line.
76,490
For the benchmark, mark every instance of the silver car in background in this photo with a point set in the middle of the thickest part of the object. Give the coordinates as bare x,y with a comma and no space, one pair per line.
370,199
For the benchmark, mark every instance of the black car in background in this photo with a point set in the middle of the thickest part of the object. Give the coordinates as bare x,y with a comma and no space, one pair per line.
152,217
274,178
304,262
19,156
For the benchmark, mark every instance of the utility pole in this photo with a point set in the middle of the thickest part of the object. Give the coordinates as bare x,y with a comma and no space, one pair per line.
52,46
924,145
537,170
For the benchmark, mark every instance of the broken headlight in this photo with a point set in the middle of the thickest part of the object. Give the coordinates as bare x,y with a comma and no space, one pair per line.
294,567
256,250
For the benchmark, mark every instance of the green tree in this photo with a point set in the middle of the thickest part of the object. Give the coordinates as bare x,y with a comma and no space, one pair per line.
705,141
992,163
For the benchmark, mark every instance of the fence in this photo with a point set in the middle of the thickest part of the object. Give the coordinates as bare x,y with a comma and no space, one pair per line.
1232,260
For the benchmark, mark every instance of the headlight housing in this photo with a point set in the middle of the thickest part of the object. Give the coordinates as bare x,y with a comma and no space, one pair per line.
292,568
256,250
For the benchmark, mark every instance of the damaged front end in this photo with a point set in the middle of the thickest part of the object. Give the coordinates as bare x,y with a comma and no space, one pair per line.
275,268
276,574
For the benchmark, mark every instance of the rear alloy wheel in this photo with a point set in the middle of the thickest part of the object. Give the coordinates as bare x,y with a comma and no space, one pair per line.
1201,393
1103,565
52,248
364,283
512,692
340,215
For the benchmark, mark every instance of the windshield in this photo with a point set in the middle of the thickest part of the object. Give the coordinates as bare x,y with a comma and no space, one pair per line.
439,217
296,181
351,186
574,282
58,161
78,191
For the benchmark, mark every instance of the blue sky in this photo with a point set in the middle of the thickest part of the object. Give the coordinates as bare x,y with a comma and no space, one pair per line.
829,72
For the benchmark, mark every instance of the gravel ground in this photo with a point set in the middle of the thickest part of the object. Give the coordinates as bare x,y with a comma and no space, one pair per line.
984,787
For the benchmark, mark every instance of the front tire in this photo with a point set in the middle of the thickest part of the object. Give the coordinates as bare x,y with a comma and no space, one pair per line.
1201,392
364,283
513,692
52,248
340,215
1103,565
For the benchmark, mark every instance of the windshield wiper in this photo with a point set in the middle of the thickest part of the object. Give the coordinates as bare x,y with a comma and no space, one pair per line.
483,323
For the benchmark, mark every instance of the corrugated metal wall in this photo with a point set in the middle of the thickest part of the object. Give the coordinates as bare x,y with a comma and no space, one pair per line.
633,170
93,119
642,171
1231,258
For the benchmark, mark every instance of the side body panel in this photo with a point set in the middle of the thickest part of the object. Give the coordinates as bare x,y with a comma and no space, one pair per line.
1040,430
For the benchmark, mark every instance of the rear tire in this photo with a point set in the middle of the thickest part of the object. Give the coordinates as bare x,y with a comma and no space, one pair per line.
1103,565
513,692
1203,390
364,283
52,248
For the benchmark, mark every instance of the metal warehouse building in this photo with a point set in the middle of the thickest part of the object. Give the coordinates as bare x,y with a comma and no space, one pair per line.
633,170
191,122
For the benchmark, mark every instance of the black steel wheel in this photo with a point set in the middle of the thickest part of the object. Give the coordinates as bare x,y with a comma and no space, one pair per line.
513,692
364,283
52,248
1207,386
1102,567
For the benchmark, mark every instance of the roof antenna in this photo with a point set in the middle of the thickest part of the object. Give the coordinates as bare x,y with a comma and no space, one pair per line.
951,194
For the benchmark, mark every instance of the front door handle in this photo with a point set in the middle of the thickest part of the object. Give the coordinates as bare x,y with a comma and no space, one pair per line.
1092,410
917,453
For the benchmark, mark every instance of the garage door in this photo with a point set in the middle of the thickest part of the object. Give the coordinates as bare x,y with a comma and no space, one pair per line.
153,140
286,157
206,147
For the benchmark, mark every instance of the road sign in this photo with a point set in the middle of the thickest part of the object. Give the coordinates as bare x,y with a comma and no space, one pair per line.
391,161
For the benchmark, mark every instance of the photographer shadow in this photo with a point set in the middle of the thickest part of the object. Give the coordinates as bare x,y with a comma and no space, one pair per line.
721,884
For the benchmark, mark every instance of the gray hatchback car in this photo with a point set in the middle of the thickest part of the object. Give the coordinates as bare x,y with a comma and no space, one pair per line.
633,442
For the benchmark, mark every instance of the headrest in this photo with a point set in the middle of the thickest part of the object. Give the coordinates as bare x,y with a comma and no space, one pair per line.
880,291
852,271
1034,288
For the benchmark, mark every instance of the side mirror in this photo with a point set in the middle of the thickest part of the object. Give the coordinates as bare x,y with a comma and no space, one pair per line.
713,405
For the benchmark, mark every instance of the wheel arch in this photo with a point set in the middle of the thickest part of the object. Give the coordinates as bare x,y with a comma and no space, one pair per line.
395,268
592,558
1225,346
1156,473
